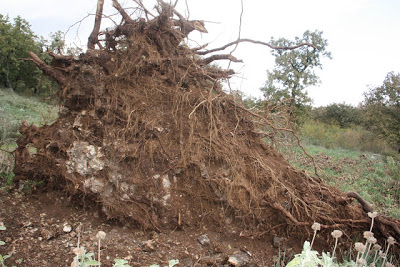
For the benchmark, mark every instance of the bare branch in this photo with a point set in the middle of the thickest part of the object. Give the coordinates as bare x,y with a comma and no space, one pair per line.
255,42
92,40
124,15
240,27
56,75
200,47
212,58
146,11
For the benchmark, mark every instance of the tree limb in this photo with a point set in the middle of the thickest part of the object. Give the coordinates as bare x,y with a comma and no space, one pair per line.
93,38
254,42
139,2
118,7
212,58
55,74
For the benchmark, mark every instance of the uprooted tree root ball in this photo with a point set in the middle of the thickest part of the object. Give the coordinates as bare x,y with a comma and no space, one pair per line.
146,130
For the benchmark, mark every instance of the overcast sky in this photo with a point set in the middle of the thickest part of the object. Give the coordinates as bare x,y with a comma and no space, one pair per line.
363,35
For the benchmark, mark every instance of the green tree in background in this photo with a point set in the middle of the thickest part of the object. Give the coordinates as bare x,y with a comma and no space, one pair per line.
16,70
294,71
16,40
342,115
382,109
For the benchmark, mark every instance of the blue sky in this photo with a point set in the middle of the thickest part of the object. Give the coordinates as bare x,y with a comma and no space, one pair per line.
363,35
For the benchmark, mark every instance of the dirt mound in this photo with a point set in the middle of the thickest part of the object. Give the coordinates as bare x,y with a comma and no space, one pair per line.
146,131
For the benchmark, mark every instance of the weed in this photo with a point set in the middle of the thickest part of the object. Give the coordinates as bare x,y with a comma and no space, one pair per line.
120,263
83,258
171,263
6,179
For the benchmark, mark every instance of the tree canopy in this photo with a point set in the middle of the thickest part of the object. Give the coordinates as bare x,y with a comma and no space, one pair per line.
342,115
294,69
382,109
16,69
16,40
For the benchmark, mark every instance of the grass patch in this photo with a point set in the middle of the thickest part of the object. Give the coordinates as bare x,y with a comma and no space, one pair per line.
376,178
15,108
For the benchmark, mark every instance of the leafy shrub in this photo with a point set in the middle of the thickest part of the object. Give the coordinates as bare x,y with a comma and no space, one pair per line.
342,115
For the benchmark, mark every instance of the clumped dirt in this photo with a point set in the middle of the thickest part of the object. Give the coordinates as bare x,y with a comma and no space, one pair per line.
35,236
147,133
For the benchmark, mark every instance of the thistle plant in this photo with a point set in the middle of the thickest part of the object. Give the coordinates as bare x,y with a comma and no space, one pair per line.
365,250
336,234
316,227
100,236
84,259
390,241
360,248
372,215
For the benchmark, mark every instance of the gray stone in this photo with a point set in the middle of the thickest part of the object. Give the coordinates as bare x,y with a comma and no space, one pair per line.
204,240
240,259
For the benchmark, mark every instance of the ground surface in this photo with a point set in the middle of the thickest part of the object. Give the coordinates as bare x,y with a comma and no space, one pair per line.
35,237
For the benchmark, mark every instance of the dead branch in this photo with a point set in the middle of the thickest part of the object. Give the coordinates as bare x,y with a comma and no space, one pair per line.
254,42
55,74
146,11
199,48
93,38
212,58
124,15
366,206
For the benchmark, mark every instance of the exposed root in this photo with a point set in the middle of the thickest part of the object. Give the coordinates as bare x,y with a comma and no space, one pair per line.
147,131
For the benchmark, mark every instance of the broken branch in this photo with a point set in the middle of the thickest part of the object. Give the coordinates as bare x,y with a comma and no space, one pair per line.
93,38
56,75
118,7
212,58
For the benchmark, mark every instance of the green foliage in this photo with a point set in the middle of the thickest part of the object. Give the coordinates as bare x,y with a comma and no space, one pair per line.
84,259
6,179
120,263
382,109
294,70
16,40
3,258
307,258
171,263
342,115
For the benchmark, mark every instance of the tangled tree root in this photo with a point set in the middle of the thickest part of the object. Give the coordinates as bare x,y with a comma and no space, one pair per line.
146,130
